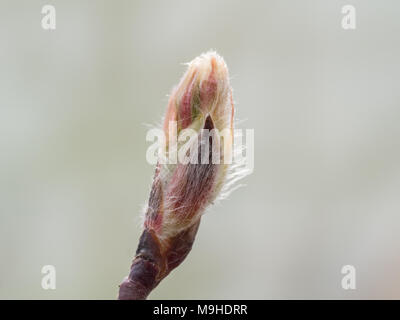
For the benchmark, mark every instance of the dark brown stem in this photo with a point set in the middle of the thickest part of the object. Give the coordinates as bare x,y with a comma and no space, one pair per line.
140,282
154,260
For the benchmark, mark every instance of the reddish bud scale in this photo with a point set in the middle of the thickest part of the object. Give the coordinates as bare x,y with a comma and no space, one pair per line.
208,88
185,114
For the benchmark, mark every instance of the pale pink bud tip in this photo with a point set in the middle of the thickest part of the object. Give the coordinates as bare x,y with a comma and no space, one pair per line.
203,90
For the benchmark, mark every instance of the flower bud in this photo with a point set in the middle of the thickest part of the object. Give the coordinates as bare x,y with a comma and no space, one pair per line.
201,102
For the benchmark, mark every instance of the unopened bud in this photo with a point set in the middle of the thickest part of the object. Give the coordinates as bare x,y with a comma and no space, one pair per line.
202,102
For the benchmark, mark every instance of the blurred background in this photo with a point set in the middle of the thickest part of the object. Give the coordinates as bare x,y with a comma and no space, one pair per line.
324,104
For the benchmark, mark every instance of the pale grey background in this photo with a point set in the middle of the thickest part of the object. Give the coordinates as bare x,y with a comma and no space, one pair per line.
324,104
